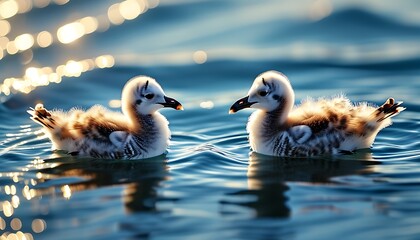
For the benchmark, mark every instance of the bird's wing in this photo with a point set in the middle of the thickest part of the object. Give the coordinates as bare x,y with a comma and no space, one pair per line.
98,124
118,138
323,114
300,133
316,124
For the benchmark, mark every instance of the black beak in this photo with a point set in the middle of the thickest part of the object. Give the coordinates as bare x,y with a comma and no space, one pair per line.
172,103
240,104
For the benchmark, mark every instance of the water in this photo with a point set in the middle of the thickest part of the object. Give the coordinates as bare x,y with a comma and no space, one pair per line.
209,186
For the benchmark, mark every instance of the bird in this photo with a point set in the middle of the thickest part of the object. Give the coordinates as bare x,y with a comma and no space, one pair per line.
138,132
324,126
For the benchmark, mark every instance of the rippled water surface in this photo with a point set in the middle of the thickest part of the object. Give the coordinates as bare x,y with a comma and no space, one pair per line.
209,185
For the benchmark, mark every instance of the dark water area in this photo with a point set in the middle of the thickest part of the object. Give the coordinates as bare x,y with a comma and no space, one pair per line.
209,185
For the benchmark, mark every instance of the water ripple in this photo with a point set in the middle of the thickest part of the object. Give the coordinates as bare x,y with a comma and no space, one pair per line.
206,56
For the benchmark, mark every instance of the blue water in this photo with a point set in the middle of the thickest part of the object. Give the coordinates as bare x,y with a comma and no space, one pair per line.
209,185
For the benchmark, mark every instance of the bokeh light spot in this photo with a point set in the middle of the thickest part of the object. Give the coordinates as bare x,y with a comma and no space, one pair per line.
44,39
130,9
38,225
114,14
3,42
11,48
8,8
16,224
73,69
207,105
66,191
115,103
2,224
200,57
15,201
4,28
24,6
70,32
7,209
90,24
24,41
105,61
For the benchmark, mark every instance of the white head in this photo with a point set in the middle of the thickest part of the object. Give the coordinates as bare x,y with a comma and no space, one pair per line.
142,95
270,91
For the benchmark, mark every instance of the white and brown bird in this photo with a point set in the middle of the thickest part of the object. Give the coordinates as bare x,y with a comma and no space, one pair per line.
138,132
316,127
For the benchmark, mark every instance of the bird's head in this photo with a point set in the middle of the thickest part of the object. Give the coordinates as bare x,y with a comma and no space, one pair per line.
145,96
270,91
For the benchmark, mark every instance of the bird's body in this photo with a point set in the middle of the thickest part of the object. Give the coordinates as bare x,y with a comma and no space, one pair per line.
316,127
139,132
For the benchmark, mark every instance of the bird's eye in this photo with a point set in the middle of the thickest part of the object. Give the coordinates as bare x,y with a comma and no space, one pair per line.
263,93
150,95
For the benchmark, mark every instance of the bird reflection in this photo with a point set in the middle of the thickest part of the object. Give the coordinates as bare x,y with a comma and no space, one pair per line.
141,178
268,177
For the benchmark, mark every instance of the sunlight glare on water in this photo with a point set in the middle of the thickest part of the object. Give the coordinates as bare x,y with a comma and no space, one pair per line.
75,54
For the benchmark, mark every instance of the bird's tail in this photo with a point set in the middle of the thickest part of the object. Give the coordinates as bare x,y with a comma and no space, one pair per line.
389,109
375,120
42,116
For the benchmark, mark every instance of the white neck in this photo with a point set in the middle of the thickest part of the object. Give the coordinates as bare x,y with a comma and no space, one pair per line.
264,128
163,135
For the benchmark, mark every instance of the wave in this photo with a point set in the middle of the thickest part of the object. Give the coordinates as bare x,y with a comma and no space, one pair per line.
354,25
